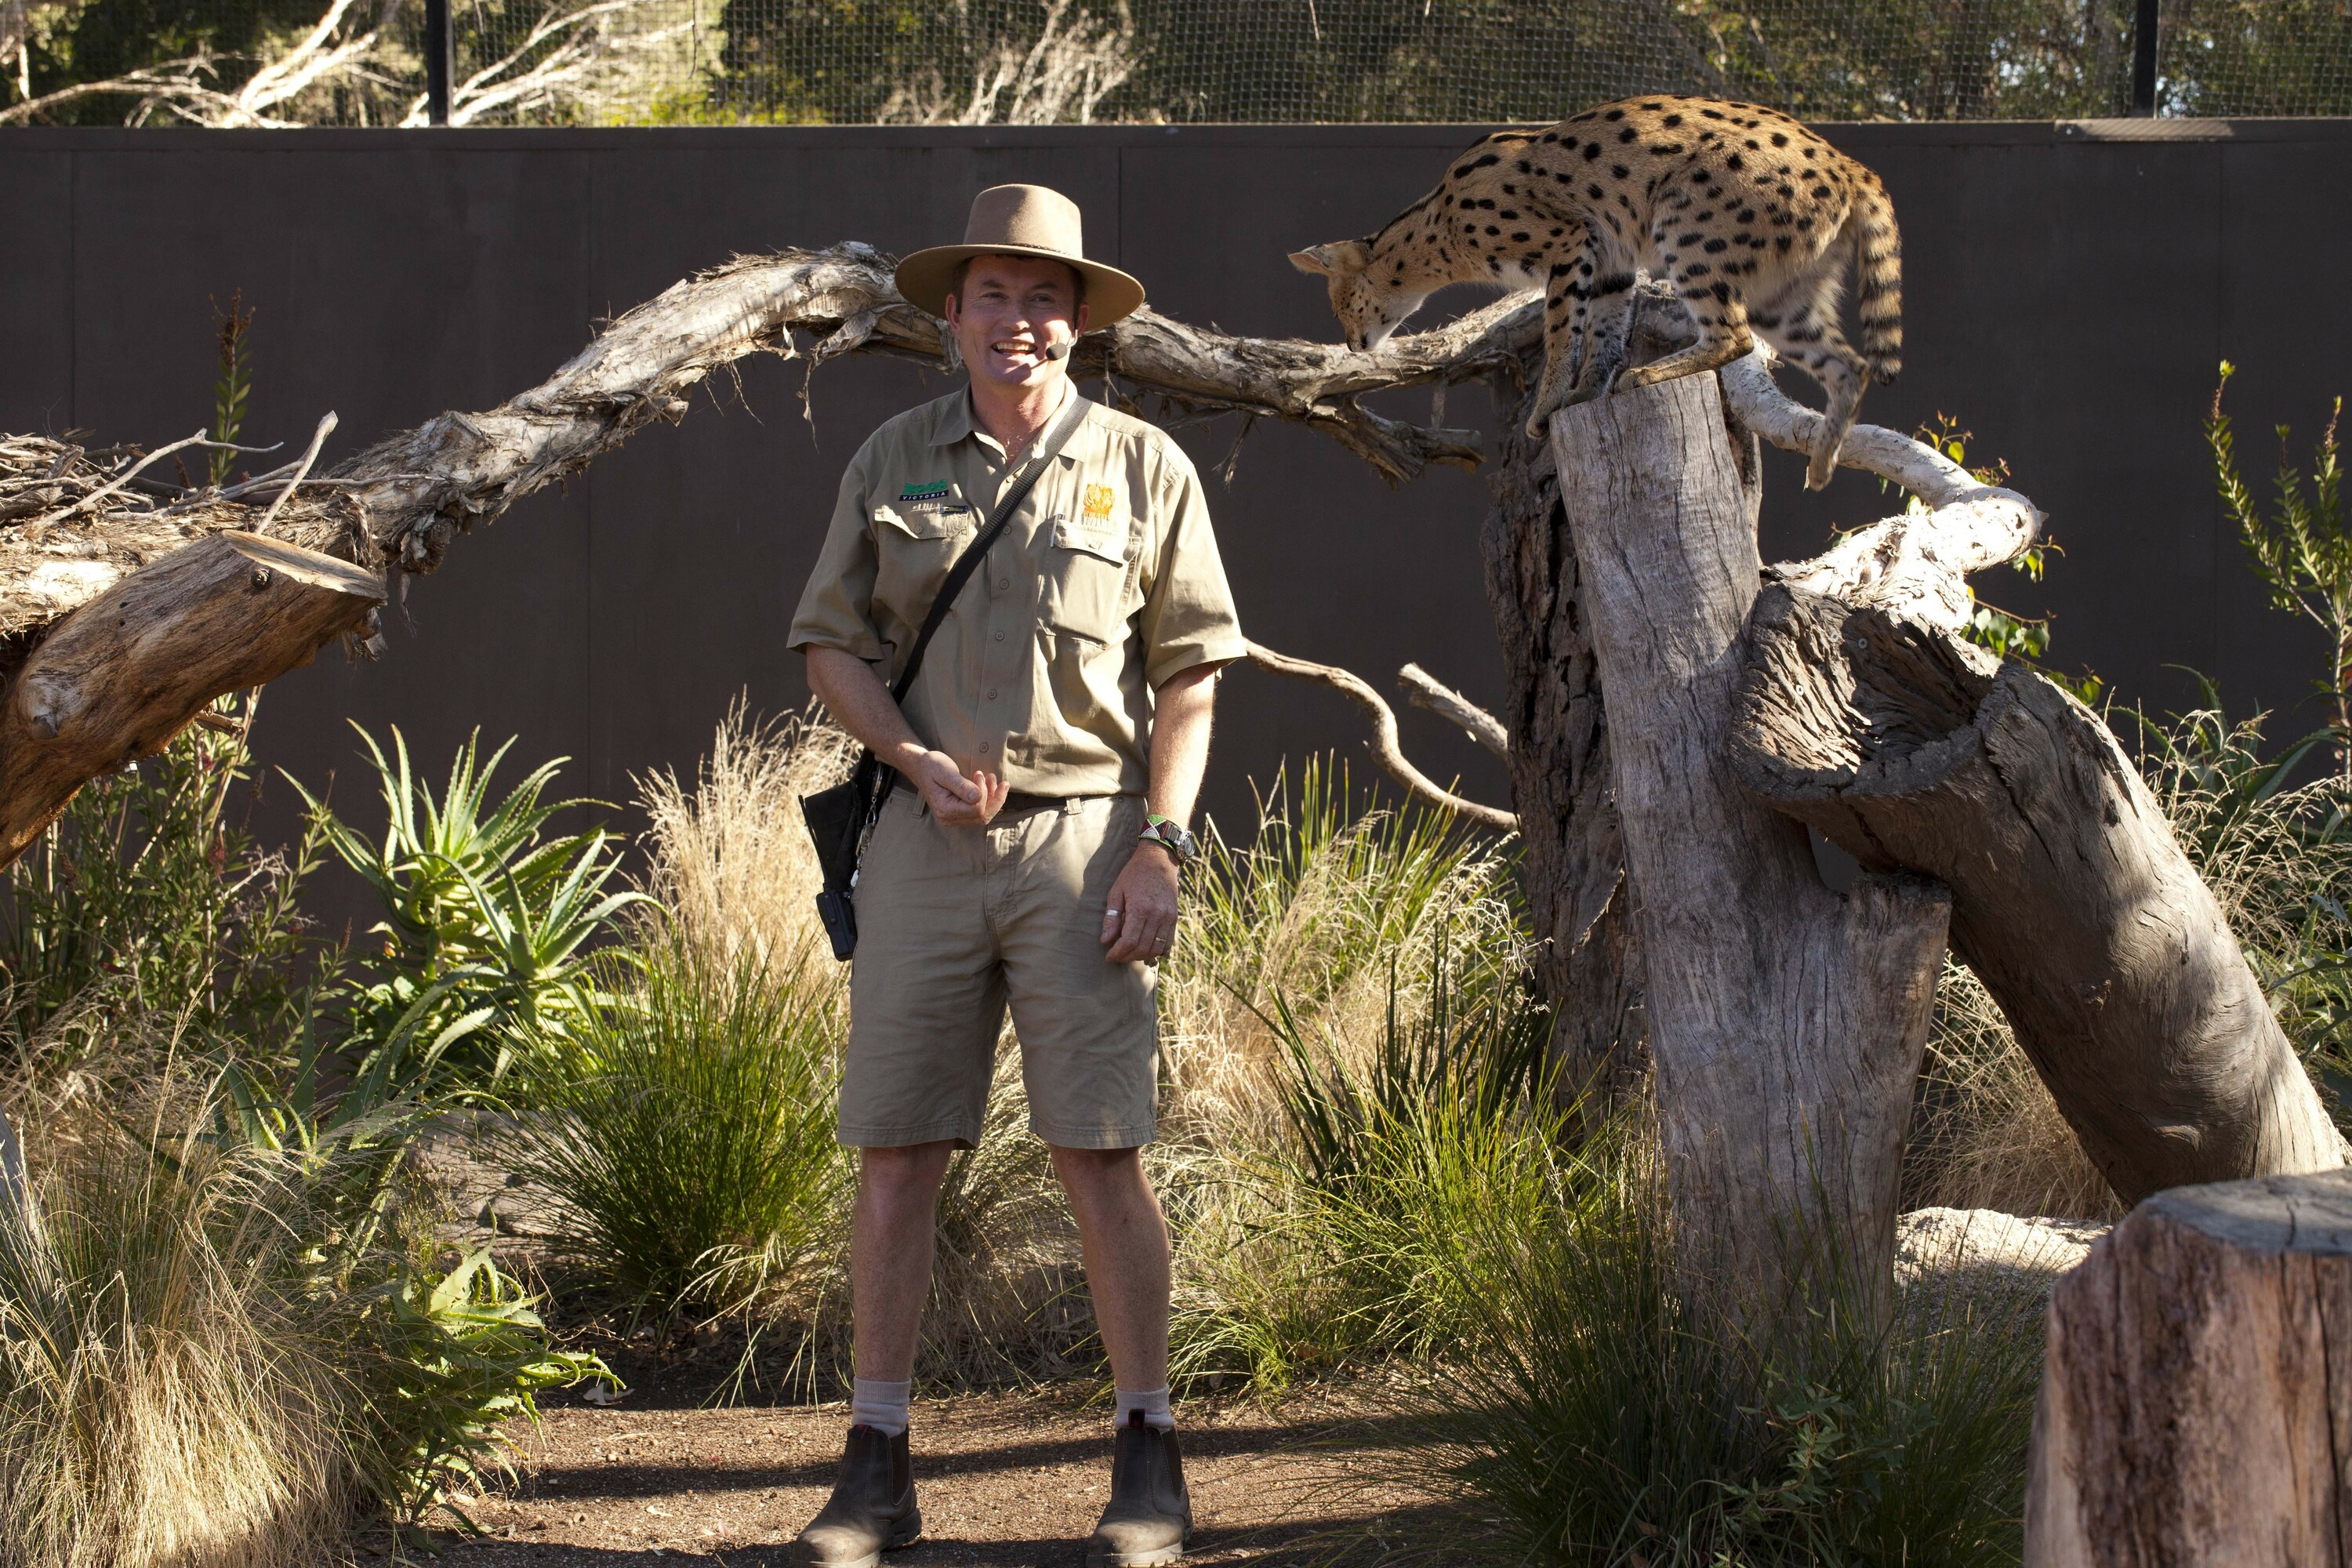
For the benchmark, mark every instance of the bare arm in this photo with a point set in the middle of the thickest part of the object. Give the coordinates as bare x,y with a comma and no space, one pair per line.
861,704
1140,921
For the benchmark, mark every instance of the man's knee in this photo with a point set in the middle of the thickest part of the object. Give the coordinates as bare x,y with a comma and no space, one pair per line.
1099,1171
911,1172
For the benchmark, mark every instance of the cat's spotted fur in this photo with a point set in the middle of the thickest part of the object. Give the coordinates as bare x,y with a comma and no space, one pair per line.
1751,217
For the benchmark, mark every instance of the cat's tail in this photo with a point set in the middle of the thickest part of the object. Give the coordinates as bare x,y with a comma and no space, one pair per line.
1878,279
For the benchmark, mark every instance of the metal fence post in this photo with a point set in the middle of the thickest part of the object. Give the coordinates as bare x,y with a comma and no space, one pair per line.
2144,38
437,62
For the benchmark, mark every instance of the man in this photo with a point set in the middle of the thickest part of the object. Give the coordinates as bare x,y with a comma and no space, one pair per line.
1051,749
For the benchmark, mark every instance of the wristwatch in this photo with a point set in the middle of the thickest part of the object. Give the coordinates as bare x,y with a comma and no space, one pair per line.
1171,836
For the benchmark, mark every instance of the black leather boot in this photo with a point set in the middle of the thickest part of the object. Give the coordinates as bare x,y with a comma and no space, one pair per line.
872,1509
1151,1513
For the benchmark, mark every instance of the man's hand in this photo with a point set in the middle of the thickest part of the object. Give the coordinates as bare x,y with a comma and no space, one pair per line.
955,797
1140,921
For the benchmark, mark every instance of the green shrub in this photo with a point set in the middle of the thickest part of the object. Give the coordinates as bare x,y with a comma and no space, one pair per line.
1596,1422
1339,1243
685,1128
461,1354
147,894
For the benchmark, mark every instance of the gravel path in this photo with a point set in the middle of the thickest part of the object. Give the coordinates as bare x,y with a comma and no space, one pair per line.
1004,1479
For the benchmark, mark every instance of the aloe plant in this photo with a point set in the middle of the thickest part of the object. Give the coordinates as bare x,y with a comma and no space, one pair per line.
485,923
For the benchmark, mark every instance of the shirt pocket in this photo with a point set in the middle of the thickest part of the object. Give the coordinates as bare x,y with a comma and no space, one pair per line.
913,549
1086,571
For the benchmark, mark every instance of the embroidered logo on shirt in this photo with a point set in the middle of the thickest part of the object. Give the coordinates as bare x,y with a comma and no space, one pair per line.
936,490
1099,498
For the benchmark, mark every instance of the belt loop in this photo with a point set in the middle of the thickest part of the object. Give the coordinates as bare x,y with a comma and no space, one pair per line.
1070,804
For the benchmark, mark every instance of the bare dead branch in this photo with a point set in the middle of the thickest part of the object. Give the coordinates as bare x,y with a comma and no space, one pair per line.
1916,565
1426,691
1383,740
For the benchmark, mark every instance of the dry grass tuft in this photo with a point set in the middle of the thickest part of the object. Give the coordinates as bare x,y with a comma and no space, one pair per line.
1984,1132
732,862
161,1404
1333,913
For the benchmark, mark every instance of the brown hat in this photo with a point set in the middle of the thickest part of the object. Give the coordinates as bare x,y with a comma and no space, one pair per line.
1020,220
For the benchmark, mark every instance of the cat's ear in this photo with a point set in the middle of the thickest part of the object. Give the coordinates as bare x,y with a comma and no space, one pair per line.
1330,260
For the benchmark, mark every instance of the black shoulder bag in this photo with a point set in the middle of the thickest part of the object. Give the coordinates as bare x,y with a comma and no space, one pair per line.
840,818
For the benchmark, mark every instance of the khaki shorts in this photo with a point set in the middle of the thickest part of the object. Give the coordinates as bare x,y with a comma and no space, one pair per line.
954,923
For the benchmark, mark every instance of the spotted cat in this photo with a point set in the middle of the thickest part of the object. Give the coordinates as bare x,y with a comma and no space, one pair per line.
1751,217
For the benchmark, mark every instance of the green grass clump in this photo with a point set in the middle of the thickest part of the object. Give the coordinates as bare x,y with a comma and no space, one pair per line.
1599,1421
686,1131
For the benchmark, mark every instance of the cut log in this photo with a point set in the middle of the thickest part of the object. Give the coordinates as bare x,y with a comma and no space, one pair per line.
1909,748
2196,1407
120,677
1786,1021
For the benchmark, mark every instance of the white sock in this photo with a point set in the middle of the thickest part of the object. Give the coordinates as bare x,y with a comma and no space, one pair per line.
1153,1404
883,1406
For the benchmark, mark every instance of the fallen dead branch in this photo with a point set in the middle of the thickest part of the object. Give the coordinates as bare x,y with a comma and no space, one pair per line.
1861,711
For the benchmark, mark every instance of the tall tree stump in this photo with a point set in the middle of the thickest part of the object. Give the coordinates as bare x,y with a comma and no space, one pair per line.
1786,1021
2196,1392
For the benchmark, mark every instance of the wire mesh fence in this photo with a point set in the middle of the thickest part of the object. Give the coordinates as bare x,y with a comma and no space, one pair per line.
346,62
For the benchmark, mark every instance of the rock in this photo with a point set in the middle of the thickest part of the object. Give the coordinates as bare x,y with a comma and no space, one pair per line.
1976,1252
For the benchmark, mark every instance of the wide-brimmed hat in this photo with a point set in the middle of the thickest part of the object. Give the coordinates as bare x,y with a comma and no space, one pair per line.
1020,220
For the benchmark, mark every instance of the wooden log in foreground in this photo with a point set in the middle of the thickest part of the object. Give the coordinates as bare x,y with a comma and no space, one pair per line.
120,676
2071,899
1786,1021
2196,1407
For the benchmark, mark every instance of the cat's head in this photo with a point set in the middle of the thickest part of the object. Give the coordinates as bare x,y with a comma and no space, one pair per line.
1369,302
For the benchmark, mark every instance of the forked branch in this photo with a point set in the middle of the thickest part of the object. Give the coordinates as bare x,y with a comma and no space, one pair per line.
1383,742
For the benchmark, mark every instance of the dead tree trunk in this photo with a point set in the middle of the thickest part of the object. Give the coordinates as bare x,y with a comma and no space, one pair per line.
1589,958
2196,1400
1786,1021
2071,899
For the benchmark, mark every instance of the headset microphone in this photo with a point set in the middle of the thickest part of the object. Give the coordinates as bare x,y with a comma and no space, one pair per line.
1059,348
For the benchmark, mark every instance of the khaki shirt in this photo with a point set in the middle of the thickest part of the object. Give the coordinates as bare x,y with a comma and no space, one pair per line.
1105,584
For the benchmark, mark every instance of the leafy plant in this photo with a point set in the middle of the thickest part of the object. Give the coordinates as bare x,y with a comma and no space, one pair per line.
466,1355
485,921
235,383
2303,549
1339,1243
685,1130
147,889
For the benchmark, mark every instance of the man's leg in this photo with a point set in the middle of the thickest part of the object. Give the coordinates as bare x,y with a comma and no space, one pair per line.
890,1235
1125,1243
873,1506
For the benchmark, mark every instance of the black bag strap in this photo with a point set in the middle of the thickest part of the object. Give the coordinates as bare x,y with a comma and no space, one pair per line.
1049,447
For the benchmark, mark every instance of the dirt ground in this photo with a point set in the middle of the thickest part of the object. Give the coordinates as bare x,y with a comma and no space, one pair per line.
1004,1479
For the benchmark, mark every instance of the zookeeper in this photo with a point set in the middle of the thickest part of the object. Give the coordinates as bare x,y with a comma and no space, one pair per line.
1054,739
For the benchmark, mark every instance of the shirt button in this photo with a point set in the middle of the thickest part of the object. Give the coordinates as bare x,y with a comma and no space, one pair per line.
992,694
1000,636
1005,584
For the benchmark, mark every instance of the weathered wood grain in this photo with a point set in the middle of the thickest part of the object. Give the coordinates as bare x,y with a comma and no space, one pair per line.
2071,899
2196,1407
127,671
1786,1021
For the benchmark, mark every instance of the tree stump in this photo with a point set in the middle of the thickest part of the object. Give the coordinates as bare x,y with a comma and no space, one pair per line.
2071,899
2197,1394
1786,1021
